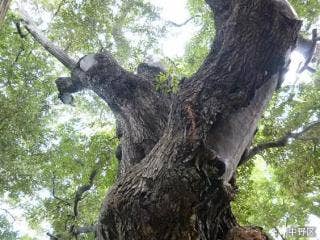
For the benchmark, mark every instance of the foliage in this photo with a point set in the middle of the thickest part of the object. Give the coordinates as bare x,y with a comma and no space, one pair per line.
169,81
24,90
48,150
122,27
287,185
307,10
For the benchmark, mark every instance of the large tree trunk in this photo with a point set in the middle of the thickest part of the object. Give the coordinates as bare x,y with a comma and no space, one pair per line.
179,153
177,168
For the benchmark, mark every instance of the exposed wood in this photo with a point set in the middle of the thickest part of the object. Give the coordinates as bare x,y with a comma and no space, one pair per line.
230,140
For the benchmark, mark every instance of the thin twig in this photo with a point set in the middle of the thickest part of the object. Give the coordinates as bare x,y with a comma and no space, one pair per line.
279,233
58,9
18,55
9,213
281,142
19,30
54,193
181,24
52,237
82,189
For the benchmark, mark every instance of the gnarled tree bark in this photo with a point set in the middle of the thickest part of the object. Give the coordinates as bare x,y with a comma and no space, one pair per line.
180,189
179,153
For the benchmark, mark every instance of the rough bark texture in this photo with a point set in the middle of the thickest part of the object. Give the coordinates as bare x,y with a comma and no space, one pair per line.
4,6
179,153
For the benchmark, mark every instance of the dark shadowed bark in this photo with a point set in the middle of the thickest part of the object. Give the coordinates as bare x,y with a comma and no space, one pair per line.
179,153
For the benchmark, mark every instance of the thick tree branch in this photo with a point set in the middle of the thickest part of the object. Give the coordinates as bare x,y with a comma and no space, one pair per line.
221,10
246,62
4,6
281,142
63,57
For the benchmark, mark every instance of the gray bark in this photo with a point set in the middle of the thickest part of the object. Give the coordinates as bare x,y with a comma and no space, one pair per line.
179,153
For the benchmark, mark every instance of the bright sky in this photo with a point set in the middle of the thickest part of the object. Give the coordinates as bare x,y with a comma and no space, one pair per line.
173,46
175,11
